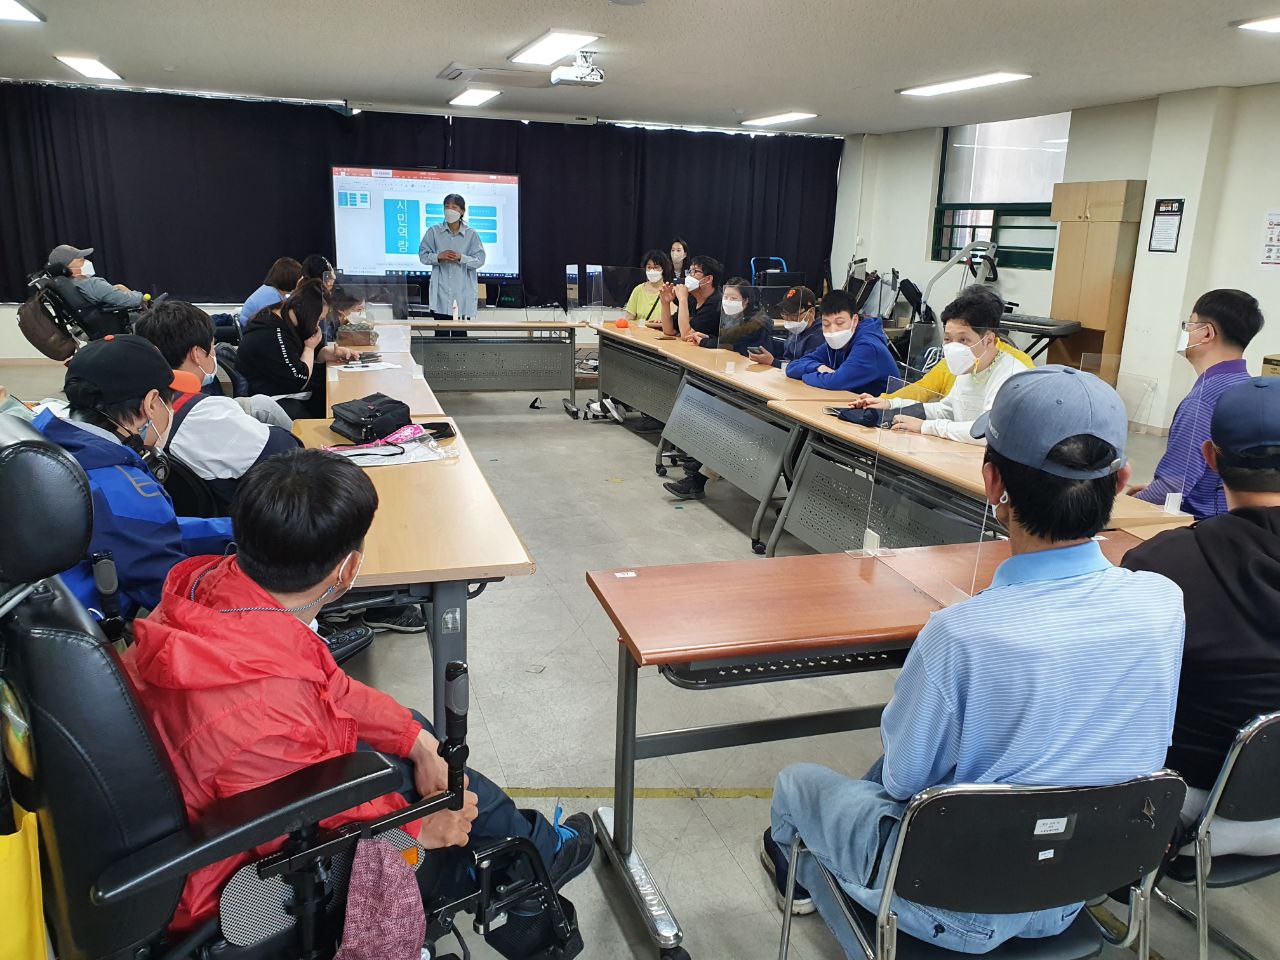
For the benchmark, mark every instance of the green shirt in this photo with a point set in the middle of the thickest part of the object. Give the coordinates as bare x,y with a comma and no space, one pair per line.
642,304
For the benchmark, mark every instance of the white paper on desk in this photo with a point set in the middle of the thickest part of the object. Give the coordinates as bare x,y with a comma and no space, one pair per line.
387,455
364,367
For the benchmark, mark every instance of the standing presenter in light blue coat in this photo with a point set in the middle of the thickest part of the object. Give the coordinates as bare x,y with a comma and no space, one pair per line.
455,254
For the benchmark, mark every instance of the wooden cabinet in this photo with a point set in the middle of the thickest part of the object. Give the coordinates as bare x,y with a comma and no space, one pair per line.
1098,226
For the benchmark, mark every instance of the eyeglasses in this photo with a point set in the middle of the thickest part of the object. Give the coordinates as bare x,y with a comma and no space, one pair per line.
1189,325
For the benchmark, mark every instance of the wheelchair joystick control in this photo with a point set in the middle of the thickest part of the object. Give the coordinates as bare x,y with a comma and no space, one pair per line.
453,748
107,583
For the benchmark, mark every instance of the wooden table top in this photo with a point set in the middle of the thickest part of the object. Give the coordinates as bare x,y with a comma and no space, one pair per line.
744,608
950,573
405,383
726,366
436,521
956,464
513,324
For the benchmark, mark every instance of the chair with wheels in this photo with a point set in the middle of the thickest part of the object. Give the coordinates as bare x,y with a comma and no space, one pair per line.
1244,791
58,317
1008,849
115,842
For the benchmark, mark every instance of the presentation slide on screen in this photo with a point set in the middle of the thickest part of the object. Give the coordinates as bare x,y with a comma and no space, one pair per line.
380,215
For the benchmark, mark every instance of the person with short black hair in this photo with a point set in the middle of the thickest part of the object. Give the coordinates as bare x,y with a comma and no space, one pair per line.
642,305
316,266
279,282
344,304
283,348
243,691
455,253
803,325
216,436
971,351
121,392
744,324
696,302
1063,672
1228,567
854,355
1213,340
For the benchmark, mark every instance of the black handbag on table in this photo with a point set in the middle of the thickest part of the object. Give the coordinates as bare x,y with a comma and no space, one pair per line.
369,418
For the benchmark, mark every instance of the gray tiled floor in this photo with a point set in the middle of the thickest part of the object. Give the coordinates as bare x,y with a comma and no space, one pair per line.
584,496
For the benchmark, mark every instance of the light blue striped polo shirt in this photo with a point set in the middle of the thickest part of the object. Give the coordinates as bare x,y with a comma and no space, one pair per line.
1064,672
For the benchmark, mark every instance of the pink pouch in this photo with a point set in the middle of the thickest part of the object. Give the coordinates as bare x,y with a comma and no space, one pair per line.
385,919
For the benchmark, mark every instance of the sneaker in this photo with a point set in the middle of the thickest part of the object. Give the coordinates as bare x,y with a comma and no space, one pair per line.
775,864
690,488
575,846
614,409
406,619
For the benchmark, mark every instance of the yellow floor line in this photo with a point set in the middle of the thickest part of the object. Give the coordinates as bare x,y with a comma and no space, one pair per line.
644,793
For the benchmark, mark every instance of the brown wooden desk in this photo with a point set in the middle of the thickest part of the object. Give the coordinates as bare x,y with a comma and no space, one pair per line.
698,623
405,383
438,531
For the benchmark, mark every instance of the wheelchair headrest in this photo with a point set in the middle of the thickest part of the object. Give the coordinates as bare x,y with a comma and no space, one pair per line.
46,507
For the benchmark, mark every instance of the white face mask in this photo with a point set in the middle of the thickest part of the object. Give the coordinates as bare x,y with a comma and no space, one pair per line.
209,376
1184,341
960,358
732,308
451,215
677,257
653,275
692,282
87,269
838,340
794,326
151,425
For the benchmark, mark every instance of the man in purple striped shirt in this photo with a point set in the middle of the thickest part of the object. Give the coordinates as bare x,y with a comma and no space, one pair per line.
1213,341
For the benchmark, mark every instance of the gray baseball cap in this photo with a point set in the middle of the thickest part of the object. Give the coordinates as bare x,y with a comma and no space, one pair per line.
1037,409
64,253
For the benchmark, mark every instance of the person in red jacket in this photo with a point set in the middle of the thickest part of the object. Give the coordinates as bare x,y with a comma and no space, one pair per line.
243,691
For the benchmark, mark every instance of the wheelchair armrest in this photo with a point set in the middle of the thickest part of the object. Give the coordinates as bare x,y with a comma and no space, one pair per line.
251,818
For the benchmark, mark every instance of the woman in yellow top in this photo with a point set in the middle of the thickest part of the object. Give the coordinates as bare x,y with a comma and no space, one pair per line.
939,380
642,305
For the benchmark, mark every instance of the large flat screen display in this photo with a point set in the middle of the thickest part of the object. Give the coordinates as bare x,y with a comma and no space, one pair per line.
380,215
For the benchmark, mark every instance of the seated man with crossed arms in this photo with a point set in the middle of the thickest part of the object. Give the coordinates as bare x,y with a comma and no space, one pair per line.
1064,672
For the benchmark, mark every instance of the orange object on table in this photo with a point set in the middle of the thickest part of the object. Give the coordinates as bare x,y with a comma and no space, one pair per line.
622,323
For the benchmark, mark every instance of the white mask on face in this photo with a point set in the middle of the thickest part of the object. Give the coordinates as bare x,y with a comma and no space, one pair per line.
960,358
838,340
210,375
692,282
794,326
87,269
677,257
653,275
151,425
1184,341
732,308
451,215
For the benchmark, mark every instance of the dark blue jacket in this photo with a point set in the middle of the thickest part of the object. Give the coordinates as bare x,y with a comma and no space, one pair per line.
132,517
863,366
801,344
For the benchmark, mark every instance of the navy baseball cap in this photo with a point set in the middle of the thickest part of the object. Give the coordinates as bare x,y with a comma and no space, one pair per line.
1037,409
1246,424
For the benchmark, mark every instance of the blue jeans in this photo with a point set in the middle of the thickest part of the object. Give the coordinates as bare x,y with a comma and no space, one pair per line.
447,873
850,826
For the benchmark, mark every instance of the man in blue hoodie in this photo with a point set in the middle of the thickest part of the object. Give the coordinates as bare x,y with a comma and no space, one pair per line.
121,390
856,354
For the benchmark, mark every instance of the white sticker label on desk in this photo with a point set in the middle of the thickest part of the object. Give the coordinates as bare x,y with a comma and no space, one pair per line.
1055,825
1045,855
625,573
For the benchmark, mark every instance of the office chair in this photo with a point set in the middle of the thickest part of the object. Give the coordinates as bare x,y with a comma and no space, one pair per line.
1245,790
115,843
192,496
1010,849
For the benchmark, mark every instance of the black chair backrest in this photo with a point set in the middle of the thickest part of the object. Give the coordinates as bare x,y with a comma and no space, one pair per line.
1251,792
91,768
74,307
191,495
1002,849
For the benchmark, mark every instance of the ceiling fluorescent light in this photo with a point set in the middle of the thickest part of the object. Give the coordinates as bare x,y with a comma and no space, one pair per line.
13,10
473,97
88,67
778,118
553,46
970,83
1265,25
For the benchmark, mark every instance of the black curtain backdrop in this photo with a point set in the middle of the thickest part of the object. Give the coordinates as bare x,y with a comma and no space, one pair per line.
198,196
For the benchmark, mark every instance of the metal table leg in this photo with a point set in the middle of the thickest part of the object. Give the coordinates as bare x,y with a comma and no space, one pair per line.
448,637
796,480
573,366
614,824
758,545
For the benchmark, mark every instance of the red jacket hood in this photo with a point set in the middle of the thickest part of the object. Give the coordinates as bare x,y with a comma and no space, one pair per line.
200,636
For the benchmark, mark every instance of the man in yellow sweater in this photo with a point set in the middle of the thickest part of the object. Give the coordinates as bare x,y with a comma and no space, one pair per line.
939,380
